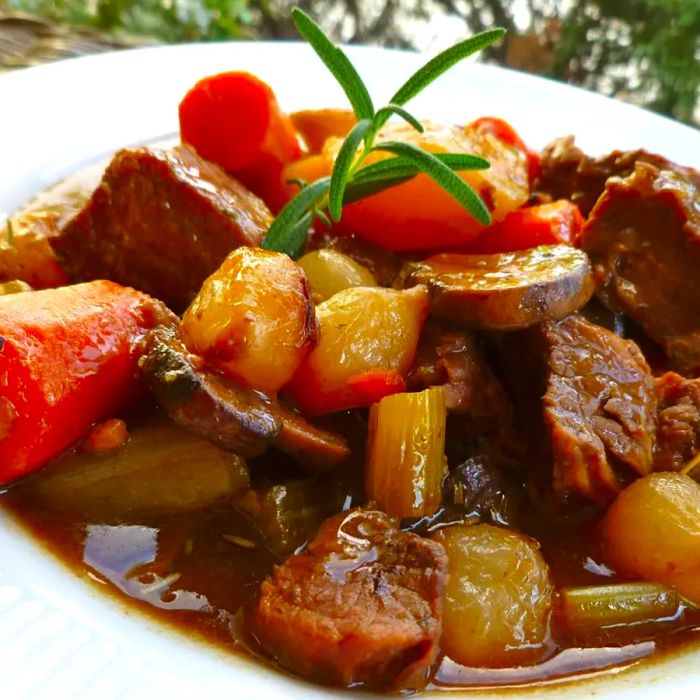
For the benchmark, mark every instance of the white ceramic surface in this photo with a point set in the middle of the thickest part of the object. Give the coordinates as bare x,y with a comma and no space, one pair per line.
59,638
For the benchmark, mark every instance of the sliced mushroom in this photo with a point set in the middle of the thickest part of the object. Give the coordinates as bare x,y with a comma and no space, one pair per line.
230,415
507,291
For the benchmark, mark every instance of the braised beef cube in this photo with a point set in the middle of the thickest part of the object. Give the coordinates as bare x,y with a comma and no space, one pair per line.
568,173
451,357
643,237
362,604
161,220
599,405
678,434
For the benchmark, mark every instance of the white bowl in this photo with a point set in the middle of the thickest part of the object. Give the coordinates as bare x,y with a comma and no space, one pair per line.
59,637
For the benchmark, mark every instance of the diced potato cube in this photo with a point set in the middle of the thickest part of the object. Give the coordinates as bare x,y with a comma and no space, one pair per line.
253,318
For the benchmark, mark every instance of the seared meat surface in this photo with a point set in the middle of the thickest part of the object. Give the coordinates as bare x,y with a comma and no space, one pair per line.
643,237
161,220
599,404
451,357
566,172
678,435
362,604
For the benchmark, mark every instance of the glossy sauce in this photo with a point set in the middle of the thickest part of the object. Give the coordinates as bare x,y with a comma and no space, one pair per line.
199,571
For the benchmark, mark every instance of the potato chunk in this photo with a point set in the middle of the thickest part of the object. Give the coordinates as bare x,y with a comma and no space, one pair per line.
652,531
498,599
253,318
362,330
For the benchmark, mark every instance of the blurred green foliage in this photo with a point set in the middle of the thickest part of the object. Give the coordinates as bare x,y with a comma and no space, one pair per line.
645,51
167,20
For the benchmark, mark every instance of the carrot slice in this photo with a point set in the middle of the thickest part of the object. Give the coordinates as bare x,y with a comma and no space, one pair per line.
503,131
67,360
233,119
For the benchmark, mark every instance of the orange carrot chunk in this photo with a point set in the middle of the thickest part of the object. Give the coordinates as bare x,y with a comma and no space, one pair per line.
67,360
233,119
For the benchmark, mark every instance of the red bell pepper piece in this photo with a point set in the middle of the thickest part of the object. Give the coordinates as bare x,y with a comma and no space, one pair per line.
505,132
68,359
545,224
233,119
374,385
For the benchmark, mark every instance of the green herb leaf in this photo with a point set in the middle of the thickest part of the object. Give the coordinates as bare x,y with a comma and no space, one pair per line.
463,161
360,190
322,217
385,113
337,62
286,230
403,167
343,163
442,62
297,181
10,233
442,175
296,236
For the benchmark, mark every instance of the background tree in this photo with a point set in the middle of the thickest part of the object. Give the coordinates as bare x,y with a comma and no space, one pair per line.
644,51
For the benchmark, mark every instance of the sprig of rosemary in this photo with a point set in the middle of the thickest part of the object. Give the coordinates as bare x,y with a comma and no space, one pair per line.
351,179
10,231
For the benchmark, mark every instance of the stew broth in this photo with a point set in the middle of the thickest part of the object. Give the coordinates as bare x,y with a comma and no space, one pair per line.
199,571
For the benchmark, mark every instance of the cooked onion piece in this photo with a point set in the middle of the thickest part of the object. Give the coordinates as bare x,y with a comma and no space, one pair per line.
652,530
361,330
255,307
330,271
498,598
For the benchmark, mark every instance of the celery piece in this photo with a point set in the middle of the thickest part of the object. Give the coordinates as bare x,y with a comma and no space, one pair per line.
587,610
406,452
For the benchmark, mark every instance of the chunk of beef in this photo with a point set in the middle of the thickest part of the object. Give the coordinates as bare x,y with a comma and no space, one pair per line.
362,604
451,357
568,173
599,404
678,434
161,220
643,237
